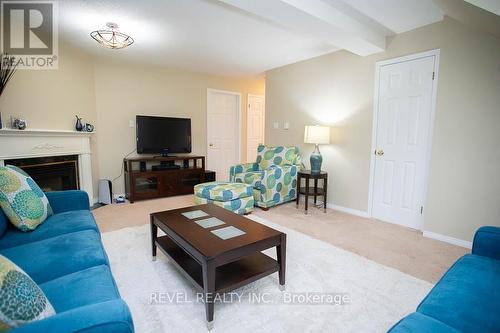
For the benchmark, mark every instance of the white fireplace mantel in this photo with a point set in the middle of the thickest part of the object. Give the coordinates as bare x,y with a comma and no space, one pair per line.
31,143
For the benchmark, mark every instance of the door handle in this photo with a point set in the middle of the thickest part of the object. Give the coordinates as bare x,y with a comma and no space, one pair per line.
210,144
379,152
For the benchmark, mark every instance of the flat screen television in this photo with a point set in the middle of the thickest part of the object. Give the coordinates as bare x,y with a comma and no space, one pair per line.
163,135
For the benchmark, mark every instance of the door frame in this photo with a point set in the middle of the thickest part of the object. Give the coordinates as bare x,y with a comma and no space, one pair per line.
378,66
238,120
263,119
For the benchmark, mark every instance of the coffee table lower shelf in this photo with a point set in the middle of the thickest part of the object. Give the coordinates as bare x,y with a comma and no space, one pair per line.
227,277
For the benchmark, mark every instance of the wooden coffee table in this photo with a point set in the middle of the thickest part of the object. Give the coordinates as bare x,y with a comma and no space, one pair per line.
214,265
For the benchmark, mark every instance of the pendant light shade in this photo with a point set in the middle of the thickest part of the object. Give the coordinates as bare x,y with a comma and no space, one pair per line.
112,38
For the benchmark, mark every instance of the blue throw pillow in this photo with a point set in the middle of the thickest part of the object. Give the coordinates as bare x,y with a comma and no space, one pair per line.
21,199
21,300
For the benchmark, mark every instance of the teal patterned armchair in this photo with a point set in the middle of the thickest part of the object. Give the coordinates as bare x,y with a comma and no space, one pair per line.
273,176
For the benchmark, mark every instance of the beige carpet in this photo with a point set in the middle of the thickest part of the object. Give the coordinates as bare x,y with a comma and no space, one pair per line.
401,248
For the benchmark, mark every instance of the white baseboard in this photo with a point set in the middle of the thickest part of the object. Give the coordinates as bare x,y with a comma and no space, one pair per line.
348,210
448,239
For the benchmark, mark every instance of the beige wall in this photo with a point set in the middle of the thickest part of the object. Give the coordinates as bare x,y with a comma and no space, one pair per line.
109,94
50,99
124,91
337,89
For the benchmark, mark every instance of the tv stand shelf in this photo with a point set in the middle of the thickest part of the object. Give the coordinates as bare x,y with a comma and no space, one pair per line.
142,182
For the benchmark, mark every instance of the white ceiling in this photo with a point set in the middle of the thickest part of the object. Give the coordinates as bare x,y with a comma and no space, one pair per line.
241,37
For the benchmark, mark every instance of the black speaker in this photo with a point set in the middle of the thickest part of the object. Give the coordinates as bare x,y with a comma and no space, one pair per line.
186,164
143,166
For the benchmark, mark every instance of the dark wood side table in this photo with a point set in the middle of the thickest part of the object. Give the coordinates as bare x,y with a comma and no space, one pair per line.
315,191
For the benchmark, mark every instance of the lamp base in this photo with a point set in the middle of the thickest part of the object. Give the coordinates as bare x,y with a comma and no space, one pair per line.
316,159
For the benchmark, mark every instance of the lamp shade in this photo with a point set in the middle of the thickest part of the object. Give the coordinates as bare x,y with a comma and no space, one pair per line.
318,135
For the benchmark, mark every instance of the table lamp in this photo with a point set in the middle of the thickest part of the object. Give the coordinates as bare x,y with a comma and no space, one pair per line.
318,135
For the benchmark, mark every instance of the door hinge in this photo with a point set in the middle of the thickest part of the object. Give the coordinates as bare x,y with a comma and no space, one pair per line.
421,209
433,75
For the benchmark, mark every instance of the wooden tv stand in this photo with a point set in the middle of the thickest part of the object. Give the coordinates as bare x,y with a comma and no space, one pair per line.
146,183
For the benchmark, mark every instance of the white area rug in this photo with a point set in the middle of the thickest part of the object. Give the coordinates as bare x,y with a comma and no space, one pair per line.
379,295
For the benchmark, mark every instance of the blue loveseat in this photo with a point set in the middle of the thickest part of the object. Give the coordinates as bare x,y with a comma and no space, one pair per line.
66,258
467,298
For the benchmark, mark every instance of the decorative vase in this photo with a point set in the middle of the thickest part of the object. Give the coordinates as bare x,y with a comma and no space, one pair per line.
316,160
21,125
78,125
88,127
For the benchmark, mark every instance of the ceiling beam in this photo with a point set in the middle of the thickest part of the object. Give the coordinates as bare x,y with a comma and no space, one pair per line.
319,20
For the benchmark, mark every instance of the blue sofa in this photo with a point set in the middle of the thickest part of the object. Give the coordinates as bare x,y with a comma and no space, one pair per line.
467,298
66,258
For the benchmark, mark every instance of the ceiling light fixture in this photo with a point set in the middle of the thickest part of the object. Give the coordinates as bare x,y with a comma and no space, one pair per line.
112,39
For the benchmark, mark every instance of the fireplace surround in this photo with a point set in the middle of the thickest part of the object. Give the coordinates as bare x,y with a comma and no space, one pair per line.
60,159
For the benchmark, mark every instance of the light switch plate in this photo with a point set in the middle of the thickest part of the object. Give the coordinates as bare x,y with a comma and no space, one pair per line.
131,123
286,125
276,125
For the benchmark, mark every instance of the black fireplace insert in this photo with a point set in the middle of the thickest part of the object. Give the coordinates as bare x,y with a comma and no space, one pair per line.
55,173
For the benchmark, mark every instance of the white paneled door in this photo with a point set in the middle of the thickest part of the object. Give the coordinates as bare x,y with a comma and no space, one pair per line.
255,125
223,131
403,125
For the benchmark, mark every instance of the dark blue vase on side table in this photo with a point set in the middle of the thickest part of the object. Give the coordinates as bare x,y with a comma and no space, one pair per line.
316,159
